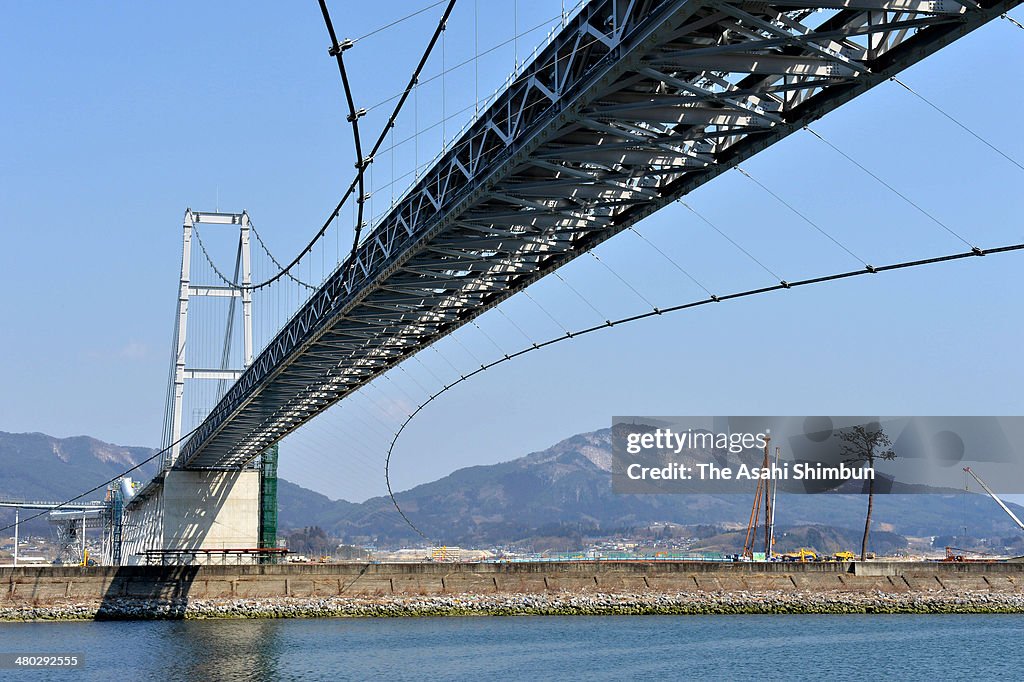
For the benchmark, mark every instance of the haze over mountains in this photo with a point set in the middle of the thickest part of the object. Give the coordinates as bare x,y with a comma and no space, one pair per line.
561,492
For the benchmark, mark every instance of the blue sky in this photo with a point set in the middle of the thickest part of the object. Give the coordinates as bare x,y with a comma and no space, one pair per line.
118,116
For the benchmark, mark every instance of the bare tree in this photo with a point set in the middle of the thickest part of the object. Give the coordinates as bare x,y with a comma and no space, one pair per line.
865,444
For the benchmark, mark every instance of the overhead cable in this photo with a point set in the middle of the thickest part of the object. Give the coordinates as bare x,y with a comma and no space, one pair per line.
964,126
676,308
892,189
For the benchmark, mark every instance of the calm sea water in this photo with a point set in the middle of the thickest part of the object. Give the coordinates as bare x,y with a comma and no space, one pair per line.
612,647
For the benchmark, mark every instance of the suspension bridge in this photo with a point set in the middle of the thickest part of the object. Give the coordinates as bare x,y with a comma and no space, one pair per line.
628,107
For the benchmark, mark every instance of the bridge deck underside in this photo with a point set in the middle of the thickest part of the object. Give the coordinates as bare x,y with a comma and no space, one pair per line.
631,106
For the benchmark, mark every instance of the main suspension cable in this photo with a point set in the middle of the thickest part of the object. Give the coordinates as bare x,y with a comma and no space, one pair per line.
338,51
274,260
233,283
363,163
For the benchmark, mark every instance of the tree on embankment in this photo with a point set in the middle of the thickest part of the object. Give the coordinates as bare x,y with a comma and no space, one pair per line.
864,444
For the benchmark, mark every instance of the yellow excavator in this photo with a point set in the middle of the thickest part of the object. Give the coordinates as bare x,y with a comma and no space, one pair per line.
802,555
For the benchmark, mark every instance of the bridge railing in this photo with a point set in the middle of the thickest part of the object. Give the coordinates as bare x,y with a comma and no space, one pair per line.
213,557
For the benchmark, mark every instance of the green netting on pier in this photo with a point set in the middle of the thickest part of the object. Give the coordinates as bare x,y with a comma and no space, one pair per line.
268,498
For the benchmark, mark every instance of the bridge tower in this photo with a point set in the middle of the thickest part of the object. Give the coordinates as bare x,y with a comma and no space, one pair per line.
198,515
224,374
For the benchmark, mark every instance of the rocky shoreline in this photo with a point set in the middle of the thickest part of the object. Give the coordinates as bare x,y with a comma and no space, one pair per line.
523,605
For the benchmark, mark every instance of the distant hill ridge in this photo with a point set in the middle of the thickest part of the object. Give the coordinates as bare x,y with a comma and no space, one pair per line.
562,490
41,467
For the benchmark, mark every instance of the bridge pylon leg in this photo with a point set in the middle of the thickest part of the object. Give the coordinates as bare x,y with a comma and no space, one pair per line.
181,372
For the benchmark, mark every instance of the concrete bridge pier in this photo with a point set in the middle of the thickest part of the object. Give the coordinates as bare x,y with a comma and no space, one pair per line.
186,510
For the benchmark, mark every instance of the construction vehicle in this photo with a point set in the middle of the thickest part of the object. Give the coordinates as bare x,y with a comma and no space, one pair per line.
802,555
959,555
844,556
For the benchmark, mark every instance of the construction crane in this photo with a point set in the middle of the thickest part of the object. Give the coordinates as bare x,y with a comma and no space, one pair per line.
755,515
994,497
769,487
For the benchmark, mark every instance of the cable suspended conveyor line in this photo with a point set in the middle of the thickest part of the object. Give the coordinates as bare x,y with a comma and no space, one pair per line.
632,105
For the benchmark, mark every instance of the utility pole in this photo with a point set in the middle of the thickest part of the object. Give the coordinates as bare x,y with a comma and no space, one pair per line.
16,513
83,537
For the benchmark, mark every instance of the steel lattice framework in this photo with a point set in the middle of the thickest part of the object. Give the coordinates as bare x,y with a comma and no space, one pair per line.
632,105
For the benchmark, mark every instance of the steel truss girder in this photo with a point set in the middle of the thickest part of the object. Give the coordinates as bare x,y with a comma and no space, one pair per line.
632,105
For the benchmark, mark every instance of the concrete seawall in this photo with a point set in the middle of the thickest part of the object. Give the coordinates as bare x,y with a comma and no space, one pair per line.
34,592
